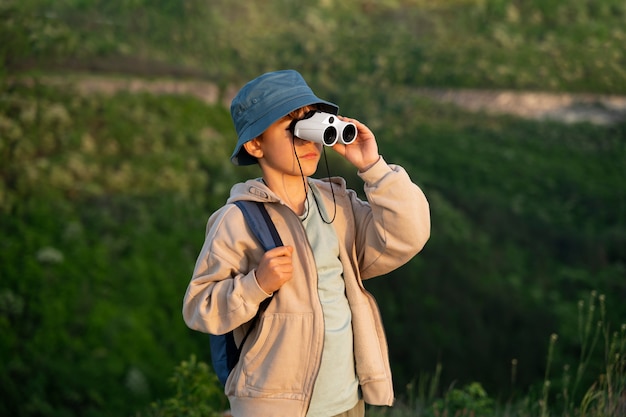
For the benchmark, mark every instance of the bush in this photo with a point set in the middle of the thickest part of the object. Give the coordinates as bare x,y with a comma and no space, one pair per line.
198,393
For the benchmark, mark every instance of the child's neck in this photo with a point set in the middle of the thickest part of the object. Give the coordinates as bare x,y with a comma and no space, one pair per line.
291,191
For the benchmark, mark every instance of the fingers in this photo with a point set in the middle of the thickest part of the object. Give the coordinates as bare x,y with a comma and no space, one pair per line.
348,119
363,152
279,251
275,268
278,261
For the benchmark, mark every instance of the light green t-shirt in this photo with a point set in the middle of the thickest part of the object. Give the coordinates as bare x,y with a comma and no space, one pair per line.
336,387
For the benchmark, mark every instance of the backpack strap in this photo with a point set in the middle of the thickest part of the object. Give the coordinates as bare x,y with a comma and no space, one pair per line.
224,351
260,223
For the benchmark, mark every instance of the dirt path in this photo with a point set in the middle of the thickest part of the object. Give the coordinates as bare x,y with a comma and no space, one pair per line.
566,108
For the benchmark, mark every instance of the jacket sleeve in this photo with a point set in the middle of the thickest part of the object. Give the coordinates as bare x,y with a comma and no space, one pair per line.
223,293
393,225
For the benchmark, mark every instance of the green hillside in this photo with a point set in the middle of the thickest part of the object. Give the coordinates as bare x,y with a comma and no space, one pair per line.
104,198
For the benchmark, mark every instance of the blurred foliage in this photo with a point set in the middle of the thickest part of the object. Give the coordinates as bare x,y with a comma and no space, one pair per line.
198,393
87,146
556,394
101,221
470,400
572,45
103,200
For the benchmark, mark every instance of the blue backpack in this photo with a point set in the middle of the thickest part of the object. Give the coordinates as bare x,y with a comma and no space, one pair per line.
224,351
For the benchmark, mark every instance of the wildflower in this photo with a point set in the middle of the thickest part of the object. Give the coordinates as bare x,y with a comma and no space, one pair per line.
50,255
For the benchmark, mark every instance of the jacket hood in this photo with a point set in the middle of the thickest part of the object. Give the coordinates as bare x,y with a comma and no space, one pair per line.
256,190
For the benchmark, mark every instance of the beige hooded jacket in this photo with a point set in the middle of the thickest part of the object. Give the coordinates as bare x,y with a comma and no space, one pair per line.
278,366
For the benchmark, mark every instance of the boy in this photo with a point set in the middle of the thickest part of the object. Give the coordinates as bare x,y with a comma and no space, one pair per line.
318,348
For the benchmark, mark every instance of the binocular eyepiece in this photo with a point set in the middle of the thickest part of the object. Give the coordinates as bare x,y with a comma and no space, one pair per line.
324,128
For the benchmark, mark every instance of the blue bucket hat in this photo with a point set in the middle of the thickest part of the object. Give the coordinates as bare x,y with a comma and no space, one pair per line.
265,100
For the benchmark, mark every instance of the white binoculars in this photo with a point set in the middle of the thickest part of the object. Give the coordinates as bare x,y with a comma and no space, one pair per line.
324,128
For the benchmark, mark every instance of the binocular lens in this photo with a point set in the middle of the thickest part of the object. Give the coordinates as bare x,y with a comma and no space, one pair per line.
330,136
323,128
349,133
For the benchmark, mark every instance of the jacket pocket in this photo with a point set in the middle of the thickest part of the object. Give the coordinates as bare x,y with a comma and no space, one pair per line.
279,360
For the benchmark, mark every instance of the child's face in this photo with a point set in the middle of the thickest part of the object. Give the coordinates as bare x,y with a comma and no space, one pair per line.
280,151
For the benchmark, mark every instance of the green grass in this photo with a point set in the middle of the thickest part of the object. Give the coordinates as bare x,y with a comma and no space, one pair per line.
551,45
555,395
101,221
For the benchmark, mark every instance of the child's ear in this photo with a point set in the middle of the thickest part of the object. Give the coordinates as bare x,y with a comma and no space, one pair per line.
253,147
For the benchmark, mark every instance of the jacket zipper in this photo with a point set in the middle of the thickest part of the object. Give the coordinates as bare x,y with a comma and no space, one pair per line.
310,262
